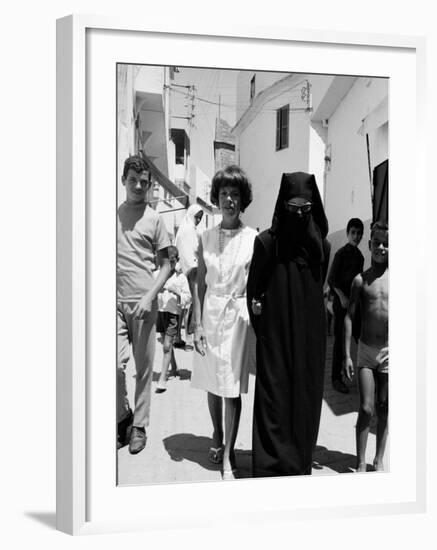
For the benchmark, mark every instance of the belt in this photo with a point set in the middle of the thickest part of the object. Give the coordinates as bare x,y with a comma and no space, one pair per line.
232,296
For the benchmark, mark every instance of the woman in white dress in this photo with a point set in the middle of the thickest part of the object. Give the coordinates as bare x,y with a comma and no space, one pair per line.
223,337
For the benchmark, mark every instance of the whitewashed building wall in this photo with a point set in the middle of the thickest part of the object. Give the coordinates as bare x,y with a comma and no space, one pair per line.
348,189
347,182
256,142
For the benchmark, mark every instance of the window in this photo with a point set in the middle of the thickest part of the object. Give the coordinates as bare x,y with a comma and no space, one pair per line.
252,88
282,127
178,137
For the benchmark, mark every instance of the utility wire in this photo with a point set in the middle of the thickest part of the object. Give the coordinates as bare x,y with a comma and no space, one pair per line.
227,106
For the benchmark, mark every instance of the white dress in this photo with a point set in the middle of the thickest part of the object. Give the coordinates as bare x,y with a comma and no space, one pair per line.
230,340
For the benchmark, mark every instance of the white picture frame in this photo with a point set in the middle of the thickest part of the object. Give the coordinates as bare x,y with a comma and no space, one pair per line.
86,502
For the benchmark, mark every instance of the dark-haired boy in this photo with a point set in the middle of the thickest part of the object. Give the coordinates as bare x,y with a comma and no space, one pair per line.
141,237
370,290
348,262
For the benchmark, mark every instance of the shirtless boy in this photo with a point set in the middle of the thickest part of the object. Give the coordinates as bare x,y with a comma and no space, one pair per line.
370,290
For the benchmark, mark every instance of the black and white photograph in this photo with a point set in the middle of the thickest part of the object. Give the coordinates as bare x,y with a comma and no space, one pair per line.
252,274
197,201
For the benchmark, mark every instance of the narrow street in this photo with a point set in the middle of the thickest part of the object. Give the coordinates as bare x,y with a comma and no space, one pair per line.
178,437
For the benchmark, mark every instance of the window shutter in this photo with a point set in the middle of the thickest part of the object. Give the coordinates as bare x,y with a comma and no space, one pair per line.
278,129
285,125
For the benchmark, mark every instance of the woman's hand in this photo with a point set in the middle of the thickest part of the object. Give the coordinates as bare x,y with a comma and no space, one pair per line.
256,307
199,340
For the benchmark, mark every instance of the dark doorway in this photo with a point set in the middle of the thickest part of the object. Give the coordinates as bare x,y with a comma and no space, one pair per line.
380,192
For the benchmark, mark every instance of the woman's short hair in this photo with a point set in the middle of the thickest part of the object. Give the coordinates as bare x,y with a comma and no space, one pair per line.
232,176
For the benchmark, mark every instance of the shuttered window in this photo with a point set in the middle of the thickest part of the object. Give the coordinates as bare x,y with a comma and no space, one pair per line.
282,127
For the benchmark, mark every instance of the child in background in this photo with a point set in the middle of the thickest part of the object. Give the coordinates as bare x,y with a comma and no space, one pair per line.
348,262
174,297
370,290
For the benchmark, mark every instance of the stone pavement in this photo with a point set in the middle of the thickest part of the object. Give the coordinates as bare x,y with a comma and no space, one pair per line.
179,434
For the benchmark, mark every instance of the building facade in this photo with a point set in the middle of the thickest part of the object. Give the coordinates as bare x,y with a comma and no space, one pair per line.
224,145
146,127
274,134
335,127
352,120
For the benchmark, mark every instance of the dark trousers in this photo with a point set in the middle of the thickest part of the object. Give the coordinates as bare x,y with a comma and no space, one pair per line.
338,351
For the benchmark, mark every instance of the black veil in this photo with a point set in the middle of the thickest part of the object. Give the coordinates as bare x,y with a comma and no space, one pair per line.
299,238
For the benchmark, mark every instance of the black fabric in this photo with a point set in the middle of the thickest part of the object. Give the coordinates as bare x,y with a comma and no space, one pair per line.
380,192
347,263
299,238
291,336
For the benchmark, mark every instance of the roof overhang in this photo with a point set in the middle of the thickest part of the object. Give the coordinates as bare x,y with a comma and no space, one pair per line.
289,82
339,87
149,101
375,118
166,183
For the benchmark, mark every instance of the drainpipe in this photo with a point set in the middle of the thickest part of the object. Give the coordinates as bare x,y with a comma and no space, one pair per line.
370,167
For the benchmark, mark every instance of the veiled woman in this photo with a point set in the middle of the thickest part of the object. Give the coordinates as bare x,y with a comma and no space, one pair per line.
187,244
187,240
285,301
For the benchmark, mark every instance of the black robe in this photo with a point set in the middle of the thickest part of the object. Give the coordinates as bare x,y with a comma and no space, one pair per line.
291,344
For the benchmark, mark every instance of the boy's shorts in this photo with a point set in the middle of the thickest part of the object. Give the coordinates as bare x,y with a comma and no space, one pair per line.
167,323
372,357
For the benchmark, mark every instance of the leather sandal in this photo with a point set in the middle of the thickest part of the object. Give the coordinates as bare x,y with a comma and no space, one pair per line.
215,455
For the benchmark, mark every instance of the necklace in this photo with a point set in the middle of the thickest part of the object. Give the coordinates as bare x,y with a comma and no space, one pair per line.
225,273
